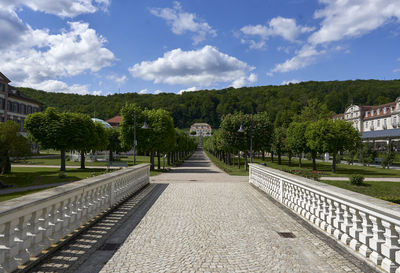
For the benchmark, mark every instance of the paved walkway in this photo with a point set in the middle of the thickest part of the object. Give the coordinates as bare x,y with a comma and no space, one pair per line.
208,221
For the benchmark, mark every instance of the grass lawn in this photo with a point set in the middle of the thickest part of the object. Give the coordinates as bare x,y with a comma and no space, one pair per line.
389,191
323,167
23,177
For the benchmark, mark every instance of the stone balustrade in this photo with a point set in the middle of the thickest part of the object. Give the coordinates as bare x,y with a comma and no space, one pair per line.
365,224
33,223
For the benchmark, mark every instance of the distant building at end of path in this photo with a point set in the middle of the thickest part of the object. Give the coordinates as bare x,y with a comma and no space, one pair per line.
201,129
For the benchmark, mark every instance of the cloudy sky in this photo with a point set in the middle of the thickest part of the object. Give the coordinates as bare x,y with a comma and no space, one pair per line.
151,46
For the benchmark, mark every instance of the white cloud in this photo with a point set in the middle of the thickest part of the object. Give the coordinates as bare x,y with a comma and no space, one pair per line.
59,87
146,91
120,80
182,22
348,19
178,67
11,28
305,56
191,89
97,93
396,70
61,8
278,26
342,19
40,59
291,81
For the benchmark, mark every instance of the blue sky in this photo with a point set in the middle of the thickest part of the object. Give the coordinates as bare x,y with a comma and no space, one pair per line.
149,46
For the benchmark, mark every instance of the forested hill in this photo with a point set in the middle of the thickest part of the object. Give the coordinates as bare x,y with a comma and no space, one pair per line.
210,105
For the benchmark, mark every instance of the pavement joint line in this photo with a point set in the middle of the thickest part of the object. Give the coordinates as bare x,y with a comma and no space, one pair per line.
46,254
343,250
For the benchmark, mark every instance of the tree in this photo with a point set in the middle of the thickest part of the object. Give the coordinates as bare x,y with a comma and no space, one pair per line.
114,142
314,111
11,144
279,142
296,139
85,135
53,130
332,137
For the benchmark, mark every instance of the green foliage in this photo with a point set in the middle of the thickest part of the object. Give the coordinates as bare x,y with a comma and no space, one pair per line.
11,144
367,153
210,105
357,179
350,156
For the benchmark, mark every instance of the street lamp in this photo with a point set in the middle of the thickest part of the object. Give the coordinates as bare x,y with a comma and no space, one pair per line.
145,126
241,130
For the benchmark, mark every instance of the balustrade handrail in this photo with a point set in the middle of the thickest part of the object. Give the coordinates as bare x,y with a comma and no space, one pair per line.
368,225
358,200
32,223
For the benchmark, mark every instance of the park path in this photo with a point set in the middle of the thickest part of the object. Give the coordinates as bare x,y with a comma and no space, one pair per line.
208,221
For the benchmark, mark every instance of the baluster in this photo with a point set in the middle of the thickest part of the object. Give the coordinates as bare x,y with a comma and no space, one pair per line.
45,229
21,240
308,205
323,214
390,247
331,216
377,240
338,221
365,235
34,234
314,207
346,224
66,215
355,229
8,248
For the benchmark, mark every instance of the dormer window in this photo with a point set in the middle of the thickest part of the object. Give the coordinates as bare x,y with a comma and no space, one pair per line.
366,114
378,111
384,110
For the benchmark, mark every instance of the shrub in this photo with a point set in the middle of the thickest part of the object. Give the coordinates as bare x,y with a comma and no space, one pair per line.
62,175
356,179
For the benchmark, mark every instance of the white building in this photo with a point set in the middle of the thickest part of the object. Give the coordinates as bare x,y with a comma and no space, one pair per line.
373,118
201,129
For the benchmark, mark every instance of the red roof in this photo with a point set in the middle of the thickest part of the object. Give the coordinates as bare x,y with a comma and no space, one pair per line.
116,119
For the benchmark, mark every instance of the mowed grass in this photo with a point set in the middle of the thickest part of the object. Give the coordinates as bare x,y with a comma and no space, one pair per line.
389,191
30,176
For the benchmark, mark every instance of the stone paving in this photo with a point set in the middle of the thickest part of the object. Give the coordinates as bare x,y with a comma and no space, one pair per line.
208,221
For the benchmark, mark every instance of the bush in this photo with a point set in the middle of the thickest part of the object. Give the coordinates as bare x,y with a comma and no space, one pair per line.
357,179
62,175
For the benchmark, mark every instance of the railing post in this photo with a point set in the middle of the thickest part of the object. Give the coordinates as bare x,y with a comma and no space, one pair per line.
281,190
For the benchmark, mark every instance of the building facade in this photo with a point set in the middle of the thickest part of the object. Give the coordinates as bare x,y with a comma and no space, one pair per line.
115,121
201,129
373,118
14,105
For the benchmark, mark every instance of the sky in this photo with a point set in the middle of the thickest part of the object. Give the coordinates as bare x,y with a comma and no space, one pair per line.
103,47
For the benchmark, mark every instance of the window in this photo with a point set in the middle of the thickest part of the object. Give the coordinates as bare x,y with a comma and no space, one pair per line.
378,112
394,119
384,110
366,114
2,87
378,123
2,103
366,124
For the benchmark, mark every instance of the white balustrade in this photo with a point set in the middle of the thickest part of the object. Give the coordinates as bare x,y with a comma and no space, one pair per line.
32,223
365,224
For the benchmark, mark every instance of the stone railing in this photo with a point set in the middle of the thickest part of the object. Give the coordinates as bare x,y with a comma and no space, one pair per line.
367,225
35,222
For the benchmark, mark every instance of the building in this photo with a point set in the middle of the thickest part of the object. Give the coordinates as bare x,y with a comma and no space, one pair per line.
14,105
379,123
115,121
201,129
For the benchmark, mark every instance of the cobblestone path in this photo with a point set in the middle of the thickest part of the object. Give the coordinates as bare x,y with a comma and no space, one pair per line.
208,221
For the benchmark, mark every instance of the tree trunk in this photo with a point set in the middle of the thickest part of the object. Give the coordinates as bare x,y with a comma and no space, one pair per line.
314,164
5,164
299,161
263,155
245,162
82,160
169,159
272,157
290,159
239,161
279,158
334,162
152,161
62,168
159,160
110,155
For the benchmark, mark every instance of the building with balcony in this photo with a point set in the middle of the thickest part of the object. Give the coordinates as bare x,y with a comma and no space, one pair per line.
14,105
201,129
379,123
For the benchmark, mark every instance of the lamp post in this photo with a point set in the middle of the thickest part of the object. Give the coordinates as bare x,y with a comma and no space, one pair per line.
241,130
145,126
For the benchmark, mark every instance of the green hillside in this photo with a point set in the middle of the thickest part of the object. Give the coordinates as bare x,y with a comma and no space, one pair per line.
210,105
